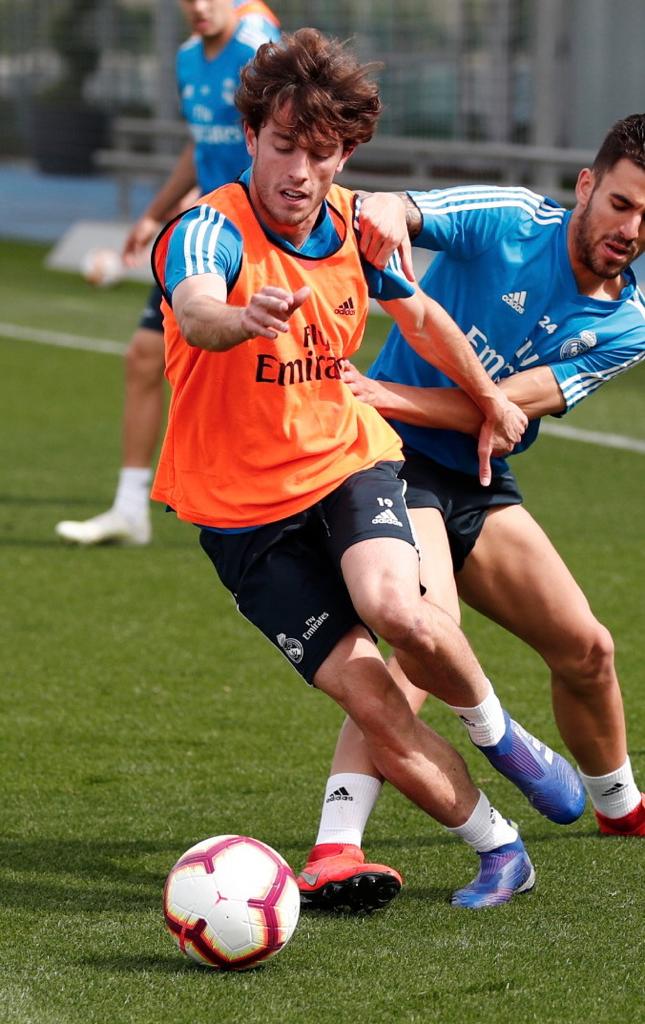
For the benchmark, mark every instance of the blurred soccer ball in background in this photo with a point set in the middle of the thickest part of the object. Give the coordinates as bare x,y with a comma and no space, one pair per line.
102,268
231,902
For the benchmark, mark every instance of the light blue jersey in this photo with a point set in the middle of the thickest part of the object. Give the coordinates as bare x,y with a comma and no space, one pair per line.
207,242
503,273
207,90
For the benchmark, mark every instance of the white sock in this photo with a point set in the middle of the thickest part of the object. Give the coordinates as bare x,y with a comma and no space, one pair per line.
485,829
349,801
133,493
485,723
614,794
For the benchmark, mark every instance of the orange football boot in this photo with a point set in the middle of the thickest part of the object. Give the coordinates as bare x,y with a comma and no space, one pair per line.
336,876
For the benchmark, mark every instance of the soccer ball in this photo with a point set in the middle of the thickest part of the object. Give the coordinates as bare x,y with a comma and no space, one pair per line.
231,902
102,267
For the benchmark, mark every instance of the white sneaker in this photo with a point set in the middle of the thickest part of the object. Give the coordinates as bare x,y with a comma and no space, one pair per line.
108,528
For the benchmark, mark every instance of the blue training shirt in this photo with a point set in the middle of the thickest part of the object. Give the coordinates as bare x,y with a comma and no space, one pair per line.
503,273
206,92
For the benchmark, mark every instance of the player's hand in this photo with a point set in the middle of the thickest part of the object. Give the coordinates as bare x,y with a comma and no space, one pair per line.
501,430
383,231
364,388
139,237
269,310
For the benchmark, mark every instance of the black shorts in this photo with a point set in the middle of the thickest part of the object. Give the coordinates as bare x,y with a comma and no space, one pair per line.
152,318
461,499
286,576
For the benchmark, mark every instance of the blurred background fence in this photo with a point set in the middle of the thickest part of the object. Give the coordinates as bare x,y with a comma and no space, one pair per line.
496,74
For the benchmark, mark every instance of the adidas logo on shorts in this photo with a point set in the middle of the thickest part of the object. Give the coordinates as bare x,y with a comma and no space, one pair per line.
386,517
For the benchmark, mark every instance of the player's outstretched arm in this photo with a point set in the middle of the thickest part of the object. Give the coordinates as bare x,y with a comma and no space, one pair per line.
207,321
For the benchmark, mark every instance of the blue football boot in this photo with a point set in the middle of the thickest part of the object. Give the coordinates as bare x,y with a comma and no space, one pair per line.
502,874
547,780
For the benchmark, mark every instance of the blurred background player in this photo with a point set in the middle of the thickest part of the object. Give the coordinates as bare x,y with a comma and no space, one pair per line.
225,36
550,303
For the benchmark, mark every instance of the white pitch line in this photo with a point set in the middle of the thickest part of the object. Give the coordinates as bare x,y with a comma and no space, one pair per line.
116,348
62,340
627,444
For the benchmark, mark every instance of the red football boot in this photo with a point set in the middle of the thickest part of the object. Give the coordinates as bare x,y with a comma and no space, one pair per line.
632,824
336,876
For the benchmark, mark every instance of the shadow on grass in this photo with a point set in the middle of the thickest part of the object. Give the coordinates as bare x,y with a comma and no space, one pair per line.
85,875
418,842
425,895
575,832
170,964
176,965
98,876
529,832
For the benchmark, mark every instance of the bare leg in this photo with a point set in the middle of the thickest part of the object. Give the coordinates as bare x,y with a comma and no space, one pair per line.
144,397
404,750
427,770
383,582
434,655
382,579
534,596
128,520
351,754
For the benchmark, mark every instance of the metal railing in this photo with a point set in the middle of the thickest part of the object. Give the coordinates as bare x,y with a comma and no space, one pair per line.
387,163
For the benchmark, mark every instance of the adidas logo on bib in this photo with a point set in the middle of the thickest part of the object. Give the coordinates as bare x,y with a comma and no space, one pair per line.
346,308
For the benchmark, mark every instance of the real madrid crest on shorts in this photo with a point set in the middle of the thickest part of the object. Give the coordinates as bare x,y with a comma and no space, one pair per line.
575,346
291,647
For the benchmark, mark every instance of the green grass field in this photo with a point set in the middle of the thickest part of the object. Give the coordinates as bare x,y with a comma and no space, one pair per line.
140,713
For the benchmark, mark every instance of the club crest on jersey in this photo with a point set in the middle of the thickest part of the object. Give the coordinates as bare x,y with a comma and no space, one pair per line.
576,346
291,647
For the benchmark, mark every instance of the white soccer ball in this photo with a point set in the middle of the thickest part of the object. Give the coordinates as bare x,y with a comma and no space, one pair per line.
102,267
231,902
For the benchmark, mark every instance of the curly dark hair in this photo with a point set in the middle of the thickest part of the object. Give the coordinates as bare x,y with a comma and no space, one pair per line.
625,140
314,87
